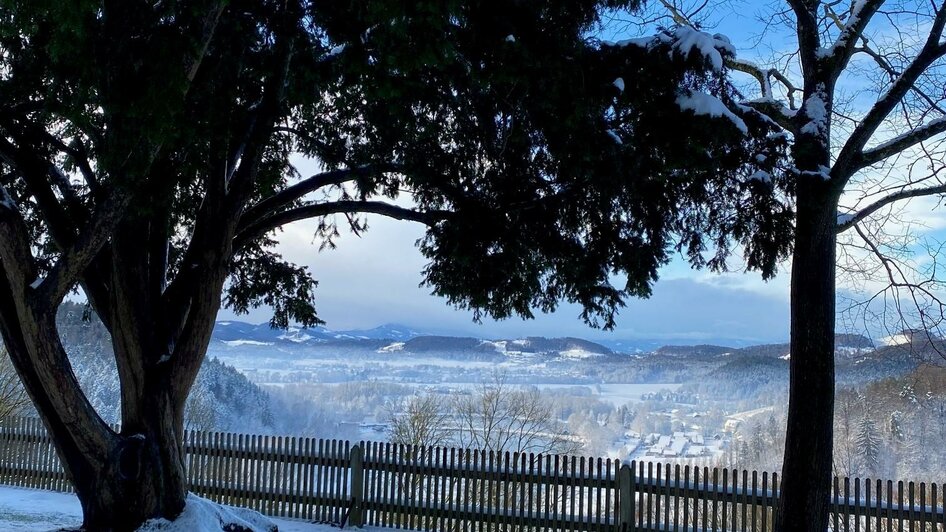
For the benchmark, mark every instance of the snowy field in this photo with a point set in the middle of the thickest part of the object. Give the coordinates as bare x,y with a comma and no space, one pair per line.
31,510
616,394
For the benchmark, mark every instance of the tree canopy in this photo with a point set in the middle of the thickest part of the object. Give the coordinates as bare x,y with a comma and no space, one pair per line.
148,155
500,124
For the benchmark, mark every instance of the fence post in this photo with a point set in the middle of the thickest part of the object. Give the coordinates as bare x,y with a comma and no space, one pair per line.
356,518
626,498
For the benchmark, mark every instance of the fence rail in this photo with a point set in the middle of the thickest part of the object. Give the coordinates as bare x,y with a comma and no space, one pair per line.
423,488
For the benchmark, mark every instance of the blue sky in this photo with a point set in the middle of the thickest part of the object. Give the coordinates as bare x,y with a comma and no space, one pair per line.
373,279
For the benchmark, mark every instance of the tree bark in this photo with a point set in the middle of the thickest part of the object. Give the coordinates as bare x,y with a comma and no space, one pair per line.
143,476
122,478
807,465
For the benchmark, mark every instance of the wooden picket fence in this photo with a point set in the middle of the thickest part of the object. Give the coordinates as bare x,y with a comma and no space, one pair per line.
454,490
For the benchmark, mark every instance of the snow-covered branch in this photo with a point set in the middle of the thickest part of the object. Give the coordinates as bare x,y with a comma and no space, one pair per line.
765,77
847,221
851,30
902,142
932,51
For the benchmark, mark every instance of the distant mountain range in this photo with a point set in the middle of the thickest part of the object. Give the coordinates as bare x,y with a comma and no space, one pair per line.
233,332
392,337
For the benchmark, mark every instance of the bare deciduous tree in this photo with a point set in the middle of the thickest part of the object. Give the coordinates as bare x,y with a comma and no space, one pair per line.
861,97
13,398
500,417
421,421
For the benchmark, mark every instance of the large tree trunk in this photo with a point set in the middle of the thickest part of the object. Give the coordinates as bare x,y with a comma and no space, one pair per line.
803,505
143,476
121,479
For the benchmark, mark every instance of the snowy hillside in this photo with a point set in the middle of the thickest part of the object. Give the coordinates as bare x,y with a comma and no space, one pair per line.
222,399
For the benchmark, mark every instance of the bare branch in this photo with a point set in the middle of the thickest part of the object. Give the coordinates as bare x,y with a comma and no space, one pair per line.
250,232
851,31
931,51
901,142
887,200
281,199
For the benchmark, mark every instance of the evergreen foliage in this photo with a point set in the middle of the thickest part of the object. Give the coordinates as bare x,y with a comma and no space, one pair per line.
147,156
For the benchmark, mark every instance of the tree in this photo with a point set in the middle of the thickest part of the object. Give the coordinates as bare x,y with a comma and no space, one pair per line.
868,445
146,159
422,422
500,418
856,157
13,398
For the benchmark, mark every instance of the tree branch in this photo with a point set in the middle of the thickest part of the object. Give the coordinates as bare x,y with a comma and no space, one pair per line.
248,233
80,255
809,39
931,51
852,220
270,205
762,76
60,221
34,171
901,142
843,48
15,251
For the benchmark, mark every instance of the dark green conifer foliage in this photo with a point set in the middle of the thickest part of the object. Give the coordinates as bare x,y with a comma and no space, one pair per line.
146,156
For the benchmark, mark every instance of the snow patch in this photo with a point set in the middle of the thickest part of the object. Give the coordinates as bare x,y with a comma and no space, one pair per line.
35,284
897,339
238,343
295,335
844,217
615,137
817,112
761,176
577,353
510,38
707,104
396,346
499,346
619,83
29,510
201,515
709,46
336,50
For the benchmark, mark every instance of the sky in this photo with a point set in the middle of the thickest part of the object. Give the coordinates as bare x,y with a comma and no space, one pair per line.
374,279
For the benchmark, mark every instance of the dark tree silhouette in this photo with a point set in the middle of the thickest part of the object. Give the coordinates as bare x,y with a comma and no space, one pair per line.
146,154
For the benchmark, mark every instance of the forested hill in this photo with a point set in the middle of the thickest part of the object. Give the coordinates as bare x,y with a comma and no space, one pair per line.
222,399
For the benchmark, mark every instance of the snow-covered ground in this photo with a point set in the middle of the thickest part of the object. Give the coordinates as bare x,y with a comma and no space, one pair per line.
32,510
